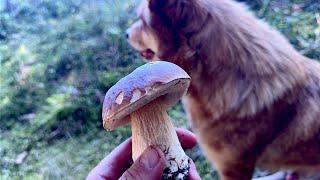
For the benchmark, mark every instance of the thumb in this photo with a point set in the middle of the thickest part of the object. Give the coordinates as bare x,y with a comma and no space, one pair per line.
149,165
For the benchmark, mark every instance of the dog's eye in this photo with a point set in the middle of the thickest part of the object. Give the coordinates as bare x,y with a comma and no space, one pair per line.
143,21
145,25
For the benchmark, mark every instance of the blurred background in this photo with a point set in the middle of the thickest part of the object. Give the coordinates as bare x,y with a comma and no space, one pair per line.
59,57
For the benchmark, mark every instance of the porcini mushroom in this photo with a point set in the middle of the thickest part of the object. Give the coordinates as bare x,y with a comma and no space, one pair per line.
143,98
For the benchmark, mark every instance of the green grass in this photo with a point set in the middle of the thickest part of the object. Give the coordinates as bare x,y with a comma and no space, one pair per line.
72,157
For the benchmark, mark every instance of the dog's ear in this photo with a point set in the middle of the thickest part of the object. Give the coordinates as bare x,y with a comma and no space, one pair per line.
173,13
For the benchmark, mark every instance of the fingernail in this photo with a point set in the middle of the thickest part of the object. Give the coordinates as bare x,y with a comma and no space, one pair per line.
150,158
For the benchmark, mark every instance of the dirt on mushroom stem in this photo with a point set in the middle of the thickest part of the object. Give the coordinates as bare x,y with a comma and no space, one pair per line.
151,125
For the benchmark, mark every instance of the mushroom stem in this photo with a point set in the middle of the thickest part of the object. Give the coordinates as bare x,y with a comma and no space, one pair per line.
151,125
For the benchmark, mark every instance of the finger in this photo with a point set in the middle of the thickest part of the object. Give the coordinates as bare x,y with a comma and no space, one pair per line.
149,165
193,173
187,139
115,164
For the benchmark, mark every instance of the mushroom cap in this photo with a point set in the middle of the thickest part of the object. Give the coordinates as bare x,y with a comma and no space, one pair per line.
143,85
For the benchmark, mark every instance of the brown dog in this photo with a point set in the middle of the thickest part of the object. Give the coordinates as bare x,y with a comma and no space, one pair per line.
253,100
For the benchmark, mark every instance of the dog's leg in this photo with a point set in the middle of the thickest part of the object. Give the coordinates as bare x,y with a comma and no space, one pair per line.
231,168
241,171
234,160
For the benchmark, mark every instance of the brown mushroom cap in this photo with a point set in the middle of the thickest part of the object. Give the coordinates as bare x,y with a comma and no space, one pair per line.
143,85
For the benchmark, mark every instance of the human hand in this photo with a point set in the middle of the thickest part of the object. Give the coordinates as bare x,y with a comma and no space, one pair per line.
150,165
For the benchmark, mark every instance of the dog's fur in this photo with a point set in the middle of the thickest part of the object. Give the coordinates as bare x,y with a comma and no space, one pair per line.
253,100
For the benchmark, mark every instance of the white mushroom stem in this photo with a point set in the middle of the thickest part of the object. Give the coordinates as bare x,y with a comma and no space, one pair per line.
151,125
